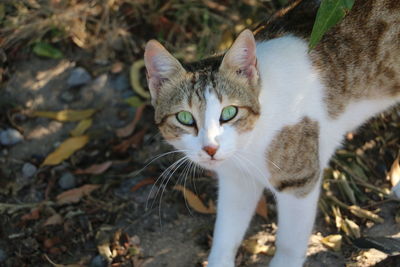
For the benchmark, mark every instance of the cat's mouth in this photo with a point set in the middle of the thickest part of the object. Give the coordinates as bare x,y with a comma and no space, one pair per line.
210,163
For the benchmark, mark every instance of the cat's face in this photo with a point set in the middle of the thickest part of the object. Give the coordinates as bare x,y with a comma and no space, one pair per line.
209,113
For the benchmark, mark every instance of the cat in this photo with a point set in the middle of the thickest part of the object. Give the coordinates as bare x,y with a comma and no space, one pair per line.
269,113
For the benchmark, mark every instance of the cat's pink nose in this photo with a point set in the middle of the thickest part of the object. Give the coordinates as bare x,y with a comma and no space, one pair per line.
211,150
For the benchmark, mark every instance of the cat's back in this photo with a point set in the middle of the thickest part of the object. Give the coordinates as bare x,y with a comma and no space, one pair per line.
360,57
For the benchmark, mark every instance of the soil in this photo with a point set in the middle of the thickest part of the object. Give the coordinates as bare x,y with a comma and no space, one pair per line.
167,233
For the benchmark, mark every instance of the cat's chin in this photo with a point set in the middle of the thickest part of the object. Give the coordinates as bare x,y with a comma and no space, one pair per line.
211,164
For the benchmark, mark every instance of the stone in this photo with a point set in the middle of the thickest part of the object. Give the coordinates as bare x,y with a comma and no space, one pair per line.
28,170
10,137
67,181
78,76
121,82
98,261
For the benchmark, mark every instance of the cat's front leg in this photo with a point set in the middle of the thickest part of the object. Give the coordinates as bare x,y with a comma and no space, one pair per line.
296,217
237,199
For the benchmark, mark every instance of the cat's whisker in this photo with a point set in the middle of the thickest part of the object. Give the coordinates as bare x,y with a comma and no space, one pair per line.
158,157
184,192
253,154
262,174
185,159
161,176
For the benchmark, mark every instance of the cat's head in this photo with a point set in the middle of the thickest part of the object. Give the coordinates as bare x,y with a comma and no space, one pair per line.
209,112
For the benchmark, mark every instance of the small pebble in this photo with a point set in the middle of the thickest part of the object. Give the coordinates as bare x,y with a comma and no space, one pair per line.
10,137
79,76
98,261
3,255
28,170
67,181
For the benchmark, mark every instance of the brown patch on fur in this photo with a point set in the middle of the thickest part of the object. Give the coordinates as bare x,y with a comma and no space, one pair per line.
293,158
360,57
247,120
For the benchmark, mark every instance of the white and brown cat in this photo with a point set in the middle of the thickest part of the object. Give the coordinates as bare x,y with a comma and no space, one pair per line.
270,113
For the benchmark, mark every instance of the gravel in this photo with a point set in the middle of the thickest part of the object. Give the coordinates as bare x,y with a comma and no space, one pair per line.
10,137
28,170
98,261
67,181
79,76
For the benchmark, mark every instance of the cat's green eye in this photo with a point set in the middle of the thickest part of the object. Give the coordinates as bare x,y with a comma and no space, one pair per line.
185,117
228,113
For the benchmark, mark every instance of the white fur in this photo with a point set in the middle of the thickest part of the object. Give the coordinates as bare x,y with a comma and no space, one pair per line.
291,89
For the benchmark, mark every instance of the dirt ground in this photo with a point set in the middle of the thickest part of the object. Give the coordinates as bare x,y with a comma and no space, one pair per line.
128,219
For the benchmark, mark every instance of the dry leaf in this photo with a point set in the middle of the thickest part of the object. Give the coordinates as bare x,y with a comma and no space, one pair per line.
262,209
142,183
128,129
351,228
333,242
253,246
53,220
33,215
95,168
194,201
66,149
394,173
75,195
65,115
366,214
133,141
134,74
82,126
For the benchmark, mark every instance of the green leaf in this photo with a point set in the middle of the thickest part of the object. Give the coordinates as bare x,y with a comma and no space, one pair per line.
47,50
134,101
329,14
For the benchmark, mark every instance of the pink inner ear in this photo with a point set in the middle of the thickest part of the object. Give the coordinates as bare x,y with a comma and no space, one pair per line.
242,55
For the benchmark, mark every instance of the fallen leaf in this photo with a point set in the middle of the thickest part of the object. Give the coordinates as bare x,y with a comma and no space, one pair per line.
53,220
128,129
194,201
51,242
134,101
142,183
351,228
82,126
134,74
66,149
333,242
76,194
133,141
262,209
47,50
394,173
33,215
95,168
253,246
65,115
366,214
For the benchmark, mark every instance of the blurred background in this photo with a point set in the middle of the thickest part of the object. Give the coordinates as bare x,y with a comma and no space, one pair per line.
85,177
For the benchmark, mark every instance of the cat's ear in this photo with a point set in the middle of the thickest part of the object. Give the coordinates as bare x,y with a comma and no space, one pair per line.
160,66
241,57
